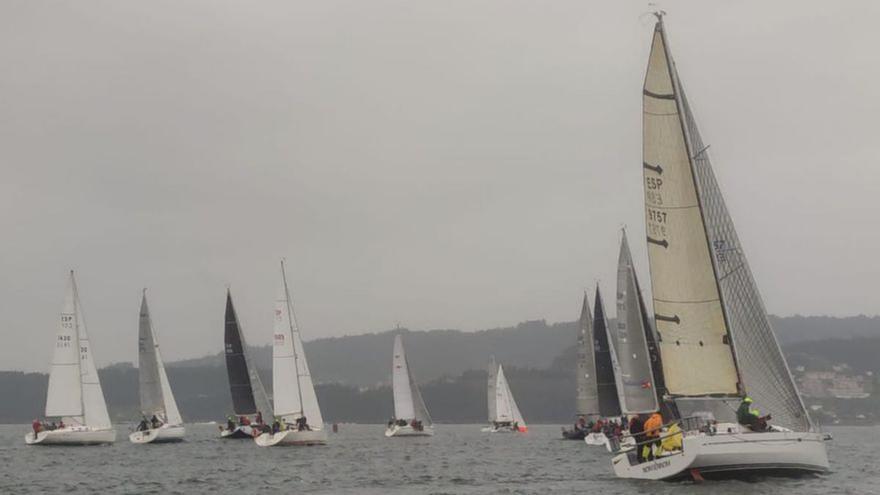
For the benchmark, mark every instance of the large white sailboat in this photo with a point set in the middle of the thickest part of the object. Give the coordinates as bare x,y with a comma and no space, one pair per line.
411,418
296,405
715,340
74,393
504,415
157,400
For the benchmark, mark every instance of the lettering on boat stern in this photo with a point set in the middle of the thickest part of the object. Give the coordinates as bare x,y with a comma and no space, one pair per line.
657,465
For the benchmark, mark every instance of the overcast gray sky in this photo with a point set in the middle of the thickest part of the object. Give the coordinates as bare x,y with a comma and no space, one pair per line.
456,164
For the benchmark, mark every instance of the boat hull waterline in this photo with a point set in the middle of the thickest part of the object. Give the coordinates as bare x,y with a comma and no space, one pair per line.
292,437
734,454
72,436
408,431
163,434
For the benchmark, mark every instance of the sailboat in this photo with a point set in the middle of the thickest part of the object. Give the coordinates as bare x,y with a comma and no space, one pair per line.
504,415
607,372
248,395
157,400
74,392
587,398
411,418
296,405
714,336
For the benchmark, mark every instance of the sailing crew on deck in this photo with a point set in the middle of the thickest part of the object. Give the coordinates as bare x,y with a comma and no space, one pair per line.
652,434
230,422
636,429
155,422
746,415
259,418
302,424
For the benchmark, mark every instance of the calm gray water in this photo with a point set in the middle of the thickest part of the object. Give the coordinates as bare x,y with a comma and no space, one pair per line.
359,459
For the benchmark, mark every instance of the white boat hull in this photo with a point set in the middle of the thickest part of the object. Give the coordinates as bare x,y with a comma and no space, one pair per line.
731,455
292,437
596,439
163,434
238,432
73,435
408,431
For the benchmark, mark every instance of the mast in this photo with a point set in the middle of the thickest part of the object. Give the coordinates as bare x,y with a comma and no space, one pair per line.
291,324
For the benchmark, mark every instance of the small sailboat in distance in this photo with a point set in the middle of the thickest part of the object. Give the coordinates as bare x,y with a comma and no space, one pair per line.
298,415
587,398
74,394
504,415
248,395
714,337
161,419
411,418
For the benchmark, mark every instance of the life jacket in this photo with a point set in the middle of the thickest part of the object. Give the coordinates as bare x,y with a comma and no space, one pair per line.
653,425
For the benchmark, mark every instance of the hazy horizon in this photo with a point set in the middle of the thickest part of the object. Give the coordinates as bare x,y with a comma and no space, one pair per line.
462,165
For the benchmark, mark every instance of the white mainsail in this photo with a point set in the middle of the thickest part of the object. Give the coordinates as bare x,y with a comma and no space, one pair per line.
696,350
506,409
492,381
638,395
587,399
408,402
155,391
74,391
293,391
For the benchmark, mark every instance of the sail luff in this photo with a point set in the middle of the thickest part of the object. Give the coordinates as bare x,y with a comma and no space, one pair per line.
587,400
606,369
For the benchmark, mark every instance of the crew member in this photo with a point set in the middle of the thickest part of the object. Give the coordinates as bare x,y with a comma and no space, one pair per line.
748,416
652,434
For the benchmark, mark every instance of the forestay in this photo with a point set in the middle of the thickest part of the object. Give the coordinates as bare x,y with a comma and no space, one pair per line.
294,393
587,400
638,394
491,395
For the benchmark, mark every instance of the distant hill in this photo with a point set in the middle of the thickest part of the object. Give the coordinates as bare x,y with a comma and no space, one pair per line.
353,372
801,328
365,360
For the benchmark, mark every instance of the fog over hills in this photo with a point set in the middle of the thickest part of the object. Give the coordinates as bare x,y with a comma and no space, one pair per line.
352,373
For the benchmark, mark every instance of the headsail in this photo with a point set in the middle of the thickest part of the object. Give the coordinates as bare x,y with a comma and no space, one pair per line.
245,385
606,381
155,391
293,391
700,308
408,402
639,393
506,408
587,400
